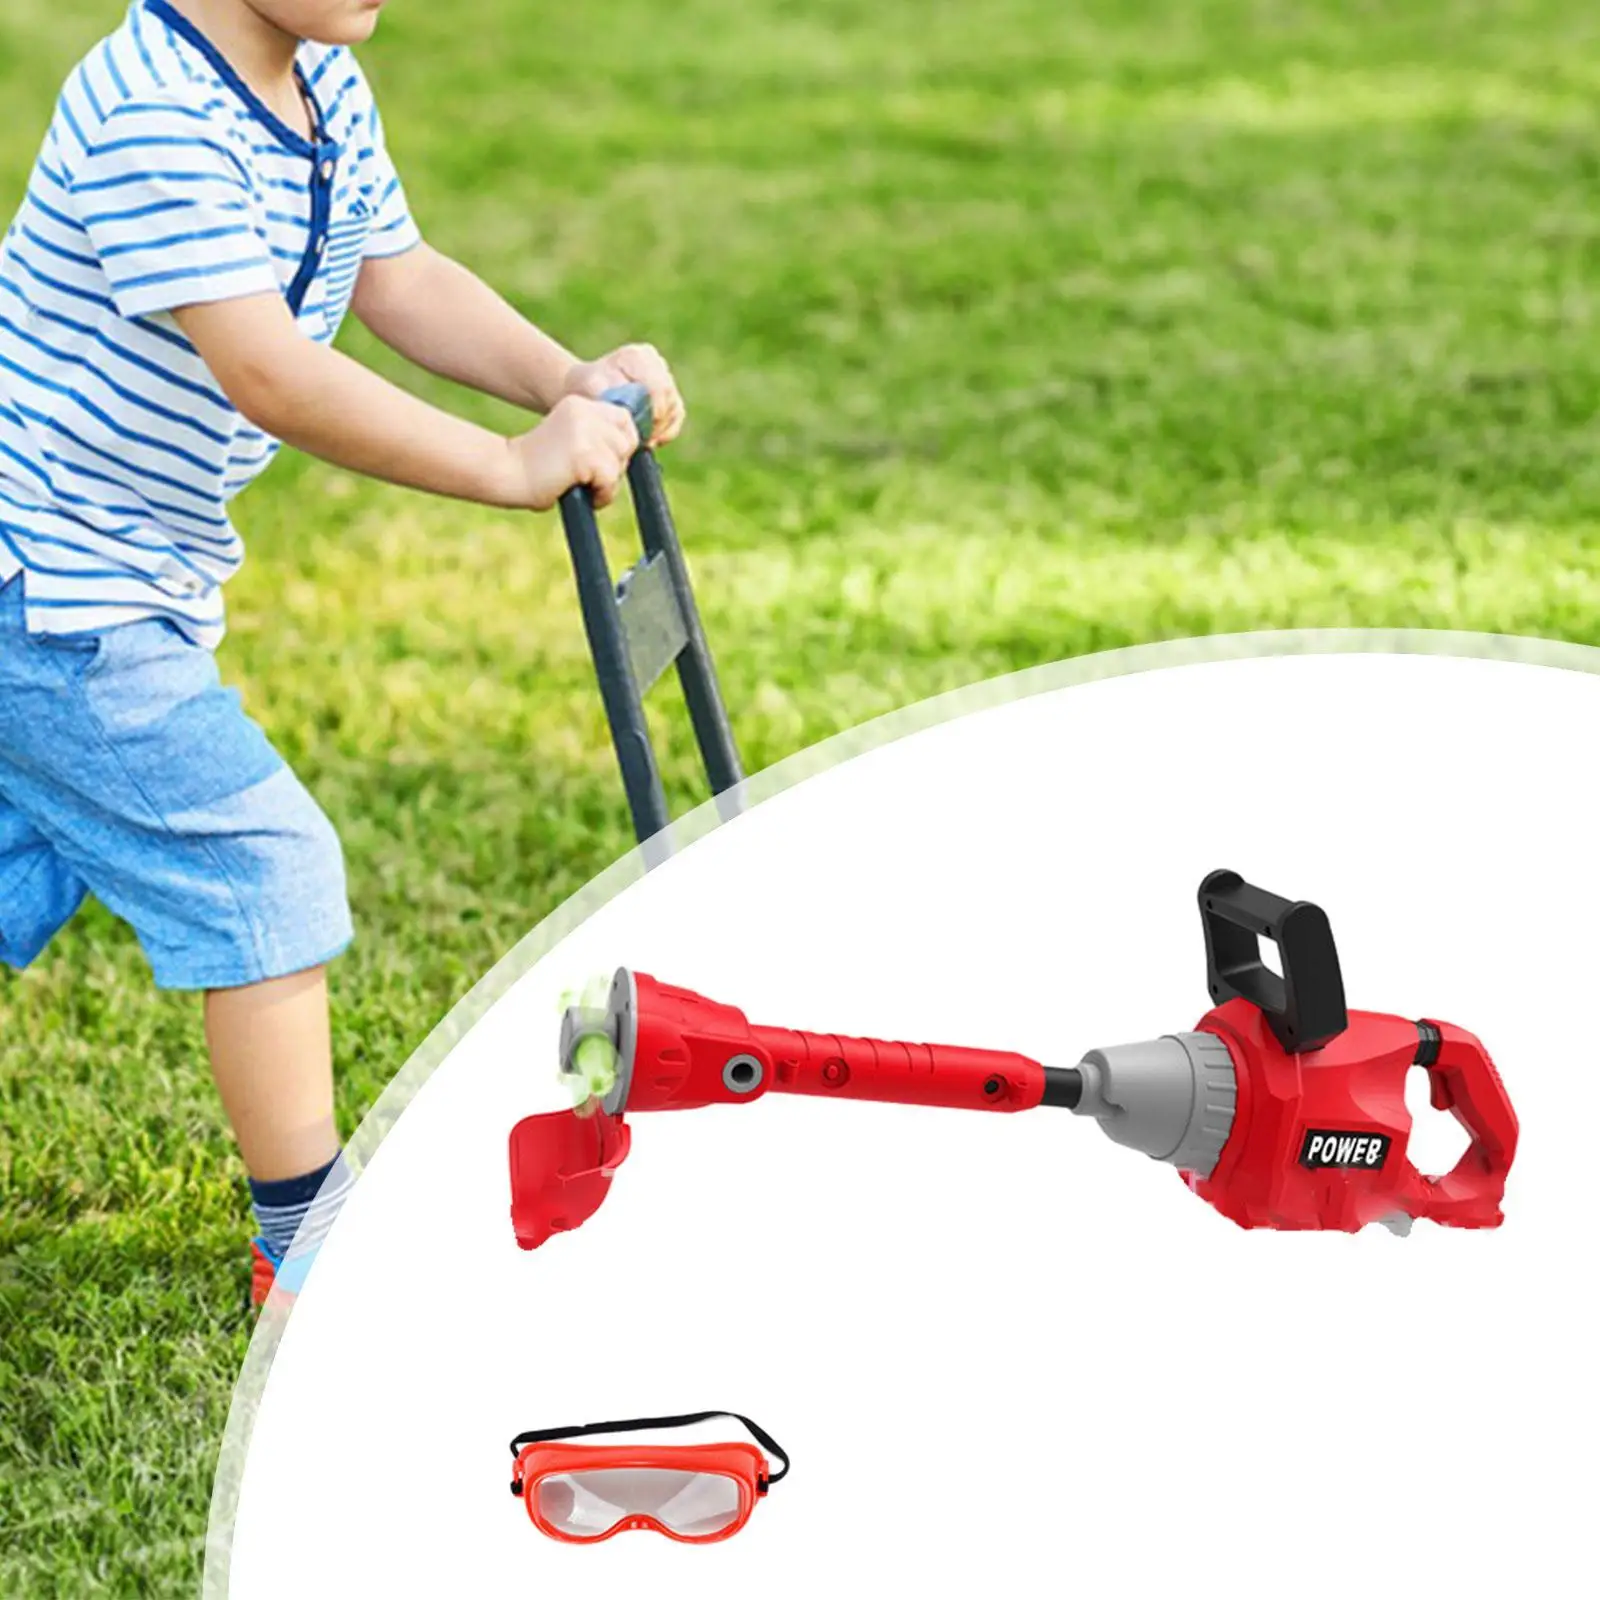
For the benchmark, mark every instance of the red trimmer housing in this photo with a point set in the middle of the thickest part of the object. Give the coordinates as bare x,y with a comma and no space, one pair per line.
1319,1139
1320,1127
1280,1108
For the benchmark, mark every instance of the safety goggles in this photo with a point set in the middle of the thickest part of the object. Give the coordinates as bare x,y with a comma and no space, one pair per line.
696,1494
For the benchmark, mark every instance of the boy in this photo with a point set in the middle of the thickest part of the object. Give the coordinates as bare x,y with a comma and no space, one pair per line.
212,197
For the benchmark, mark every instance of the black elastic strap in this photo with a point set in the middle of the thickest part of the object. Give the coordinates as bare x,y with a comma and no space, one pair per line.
641,1424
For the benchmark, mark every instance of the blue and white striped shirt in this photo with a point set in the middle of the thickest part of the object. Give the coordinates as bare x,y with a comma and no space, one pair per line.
163,183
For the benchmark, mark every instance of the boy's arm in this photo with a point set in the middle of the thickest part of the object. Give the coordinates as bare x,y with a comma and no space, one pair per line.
324,403
437,313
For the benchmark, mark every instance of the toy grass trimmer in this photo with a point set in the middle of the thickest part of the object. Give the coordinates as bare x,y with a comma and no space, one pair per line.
643,624
1280,1108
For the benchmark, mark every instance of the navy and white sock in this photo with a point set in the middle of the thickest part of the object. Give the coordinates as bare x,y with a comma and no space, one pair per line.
303,1207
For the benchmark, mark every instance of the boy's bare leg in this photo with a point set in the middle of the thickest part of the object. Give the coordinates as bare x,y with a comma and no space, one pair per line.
272,1057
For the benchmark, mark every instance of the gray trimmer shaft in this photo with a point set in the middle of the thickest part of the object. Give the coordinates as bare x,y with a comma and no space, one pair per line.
1173,1098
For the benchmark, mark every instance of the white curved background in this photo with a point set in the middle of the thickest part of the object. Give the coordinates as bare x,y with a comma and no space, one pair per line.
1006,1355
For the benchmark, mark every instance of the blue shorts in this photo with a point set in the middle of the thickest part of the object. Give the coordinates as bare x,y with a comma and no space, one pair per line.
128,772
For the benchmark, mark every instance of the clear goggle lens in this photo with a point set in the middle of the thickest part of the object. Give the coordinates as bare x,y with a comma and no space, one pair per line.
585,1505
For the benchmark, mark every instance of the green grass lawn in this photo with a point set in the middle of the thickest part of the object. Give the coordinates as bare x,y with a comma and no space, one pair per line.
1012,330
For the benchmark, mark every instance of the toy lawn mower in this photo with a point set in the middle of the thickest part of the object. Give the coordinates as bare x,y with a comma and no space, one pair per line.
1280,1108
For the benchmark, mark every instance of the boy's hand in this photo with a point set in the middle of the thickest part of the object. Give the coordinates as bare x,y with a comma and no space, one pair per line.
582,441
635,363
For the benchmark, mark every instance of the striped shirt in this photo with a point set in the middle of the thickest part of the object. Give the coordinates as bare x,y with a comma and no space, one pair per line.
163,183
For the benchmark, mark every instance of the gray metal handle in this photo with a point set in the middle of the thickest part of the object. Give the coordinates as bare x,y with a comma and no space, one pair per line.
634,398
639,628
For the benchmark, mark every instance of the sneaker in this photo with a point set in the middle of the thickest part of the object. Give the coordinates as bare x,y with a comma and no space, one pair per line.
283,1275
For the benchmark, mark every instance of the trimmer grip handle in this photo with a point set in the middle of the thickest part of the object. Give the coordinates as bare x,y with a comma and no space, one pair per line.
678,1049
1304,1003
900,1072
1462,1080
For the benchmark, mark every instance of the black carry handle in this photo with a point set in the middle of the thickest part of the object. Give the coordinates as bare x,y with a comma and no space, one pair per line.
639,627
1305,1006
644,1424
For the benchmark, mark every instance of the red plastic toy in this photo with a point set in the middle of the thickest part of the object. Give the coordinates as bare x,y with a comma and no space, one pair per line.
561,1167
1280,1108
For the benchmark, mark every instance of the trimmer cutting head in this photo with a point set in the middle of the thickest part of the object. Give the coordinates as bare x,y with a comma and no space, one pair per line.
599,1044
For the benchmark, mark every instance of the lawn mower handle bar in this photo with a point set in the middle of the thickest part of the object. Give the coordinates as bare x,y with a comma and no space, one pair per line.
634,398
600,598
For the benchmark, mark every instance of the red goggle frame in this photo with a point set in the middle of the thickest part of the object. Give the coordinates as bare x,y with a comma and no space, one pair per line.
695,1494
